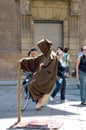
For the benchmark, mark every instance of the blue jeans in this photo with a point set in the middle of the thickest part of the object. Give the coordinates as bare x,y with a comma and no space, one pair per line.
60,86
82,76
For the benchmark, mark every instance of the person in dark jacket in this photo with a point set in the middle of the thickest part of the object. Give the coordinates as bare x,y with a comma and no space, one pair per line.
61,80
32,53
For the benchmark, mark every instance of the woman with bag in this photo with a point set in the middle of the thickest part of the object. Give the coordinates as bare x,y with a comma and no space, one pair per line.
81,75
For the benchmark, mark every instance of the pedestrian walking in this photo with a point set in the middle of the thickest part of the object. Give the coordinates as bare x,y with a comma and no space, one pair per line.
61,80
81,75
67,60
78,55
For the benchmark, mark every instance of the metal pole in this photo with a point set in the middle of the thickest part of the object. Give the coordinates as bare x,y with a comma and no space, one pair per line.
19,92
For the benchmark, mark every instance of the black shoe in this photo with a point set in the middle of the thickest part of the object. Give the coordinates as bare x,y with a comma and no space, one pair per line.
83,102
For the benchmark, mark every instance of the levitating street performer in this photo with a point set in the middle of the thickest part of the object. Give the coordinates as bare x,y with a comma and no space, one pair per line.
43,79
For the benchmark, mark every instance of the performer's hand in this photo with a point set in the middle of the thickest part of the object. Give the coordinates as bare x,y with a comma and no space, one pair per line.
41,66
19,61
34,74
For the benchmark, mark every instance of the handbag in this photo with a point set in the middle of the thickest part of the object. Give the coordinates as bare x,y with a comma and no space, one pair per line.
73,72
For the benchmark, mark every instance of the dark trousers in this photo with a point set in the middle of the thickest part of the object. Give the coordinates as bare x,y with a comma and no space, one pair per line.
63,89
27,78
60,87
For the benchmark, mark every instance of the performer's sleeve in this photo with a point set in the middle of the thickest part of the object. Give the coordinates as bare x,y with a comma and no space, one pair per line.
24,65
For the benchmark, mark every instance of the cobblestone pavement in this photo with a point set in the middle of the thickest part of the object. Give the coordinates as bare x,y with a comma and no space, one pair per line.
72,113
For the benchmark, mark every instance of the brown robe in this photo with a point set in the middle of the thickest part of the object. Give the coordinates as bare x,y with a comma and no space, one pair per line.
43,80
31,64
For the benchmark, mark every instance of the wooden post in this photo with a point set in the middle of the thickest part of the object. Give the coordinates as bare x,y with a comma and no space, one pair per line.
19,92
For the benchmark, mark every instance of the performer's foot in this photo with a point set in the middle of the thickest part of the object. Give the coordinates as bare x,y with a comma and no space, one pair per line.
42,101
38,106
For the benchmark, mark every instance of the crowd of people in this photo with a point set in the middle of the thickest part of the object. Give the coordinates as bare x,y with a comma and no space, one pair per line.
50,70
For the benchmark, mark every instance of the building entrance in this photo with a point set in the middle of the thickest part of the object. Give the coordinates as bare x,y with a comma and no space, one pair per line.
50,30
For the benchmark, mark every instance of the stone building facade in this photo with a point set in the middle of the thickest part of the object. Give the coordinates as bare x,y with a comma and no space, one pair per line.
24,22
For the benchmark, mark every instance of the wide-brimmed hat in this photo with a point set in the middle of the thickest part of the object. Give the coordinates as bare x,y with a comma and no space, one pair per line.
44,45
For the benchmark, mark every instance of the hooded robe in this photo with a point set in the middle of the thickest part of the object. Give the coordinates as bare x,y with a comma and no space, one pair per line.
43,80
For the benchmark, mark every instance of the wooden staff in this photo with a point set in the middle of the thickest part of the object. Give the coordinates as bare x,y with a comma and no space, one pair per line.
19,92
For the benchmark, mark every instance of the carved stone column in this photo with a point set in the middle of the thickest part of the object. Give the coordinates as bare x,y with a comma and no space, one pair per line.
75,7
25,6
74,27
74,23
26,30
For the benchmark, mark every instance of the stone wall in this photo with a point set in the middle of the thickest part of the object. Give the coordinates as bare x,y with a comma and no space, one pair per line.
83,22
9,39
16,35
9,29
9,66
